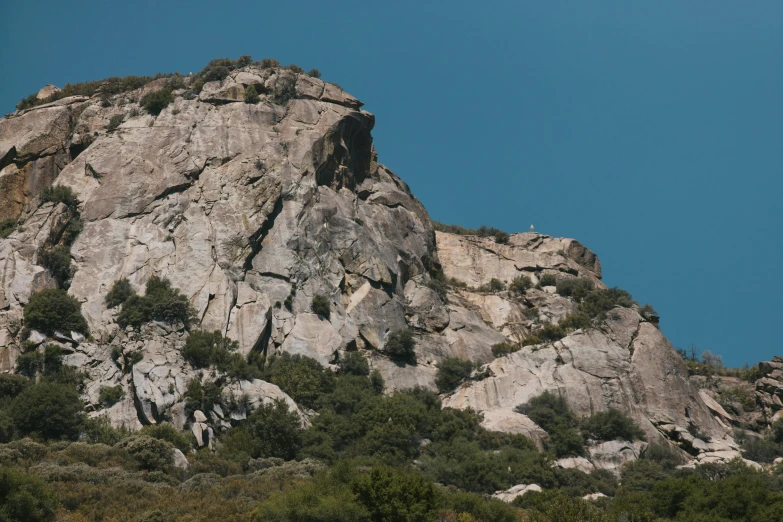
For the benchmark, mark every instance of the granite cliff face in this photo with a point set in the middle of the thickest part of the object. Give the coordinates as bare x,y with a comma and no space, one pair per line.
242,206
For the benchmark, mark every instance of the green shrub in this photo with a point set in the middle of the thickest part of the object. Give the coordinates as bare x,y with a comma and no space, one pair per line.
389,494
29,364
115,121
648,313
10,386
576,287
53,309
611,425
269,63
501,237
663,455
156,101
761,449
520,284
99,430
25,498
321,306
596,303
251,95
275,430
285,89
49,410
72,231
202,396
552,413
314,73
501,349
182,440
551,332
575,321
531,340
110,395
148,453
303,378
353,363
494,285
59,194
203,349
7,227
451,372
556,506
161,303
58,261
400,346
547,280
120,292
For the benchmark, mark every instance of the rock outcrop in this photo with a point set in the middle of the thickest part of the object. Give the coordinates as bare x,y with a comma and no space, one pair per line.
251,210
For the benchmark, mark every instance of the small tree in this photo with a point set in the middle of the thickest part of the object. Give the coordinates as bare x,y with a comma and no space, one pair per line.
53,309
400,346
120,292
115,121
520,284
49,410
321,306
148,453
58,261
611,425
59,194
501,349
352,363
111,395
251,95
156,101
451,372
314,73
276,431
25,497
501,237
547,280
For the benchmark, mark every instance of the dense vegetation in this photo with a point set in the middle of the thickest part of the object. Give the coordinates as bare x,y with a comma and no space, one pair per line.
500,236
161,302
54,310
366,457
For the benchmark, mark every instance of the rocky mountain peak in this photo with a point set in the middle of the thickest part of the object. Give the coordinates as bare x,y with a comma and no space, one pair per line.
256,192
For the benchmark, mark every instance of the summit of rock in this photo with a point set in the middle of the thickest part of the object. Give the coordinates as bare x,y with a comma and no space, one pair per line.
250,210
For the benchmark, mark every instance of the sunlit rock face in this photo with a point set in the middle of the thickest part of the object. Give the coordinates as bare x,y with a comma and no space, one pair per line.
251,210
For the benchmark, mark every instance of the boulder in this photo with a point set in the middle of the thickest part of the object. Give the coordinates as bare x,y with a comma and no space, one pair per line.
516,491
47,91
580,463
611,455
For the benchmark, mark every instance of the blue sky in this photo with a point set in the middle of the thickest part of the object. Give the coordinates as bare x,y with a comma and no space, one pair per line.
650,131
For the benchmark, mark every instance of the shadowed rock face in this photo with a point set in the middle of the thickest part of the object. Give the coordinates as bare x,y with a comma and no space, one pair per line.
242,206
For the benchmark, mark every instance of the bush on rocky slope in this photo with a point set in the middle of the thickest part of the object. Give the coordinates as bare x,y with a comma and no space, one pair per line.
48,410
611,425
552,413
160,303
156,101
25,497
399,346
7,227
54,310
59,194
321,306
451,372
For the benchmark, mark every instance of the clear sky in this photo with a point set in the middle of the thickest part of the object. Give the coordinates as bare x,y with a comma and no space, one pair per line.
650,131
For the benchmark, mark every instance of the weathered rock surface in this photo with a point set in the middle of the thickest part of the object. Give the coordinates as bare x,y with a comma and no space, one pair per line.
516,491
251,210
611,455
